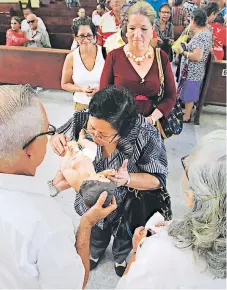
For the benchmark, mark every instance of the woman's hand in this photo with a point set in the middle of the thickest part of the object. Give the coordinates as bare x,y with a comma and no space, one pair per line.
139,234
122,176
58,143
160,41
90,91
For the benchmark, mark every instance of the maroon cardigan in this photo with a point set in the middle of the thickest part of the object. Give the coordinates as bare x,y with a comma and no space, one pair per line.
118,71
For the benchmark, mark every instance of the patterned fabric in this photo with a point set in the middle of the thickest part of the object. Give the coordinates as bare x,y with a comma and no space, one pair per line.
143,148
189,7
168,33
179,15
196,70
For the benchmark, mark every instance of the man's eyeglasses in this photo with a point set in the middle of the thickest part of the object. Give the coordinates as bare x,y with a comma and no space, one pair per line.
51,131
83,37
31,21
184,164
101,138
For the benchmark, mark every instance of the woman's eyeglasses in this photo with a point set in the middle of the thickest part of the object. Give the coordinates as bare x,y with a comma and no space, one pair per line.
51,131
83,37
101,138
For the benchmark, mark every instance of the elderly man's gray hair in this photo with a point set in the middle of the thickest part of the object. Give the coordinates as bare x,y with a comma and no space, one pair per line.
20,118
204,227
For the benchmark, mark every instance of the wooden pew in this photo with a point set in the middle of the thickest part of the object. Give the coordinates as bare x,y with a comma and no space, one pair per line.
214,87
40,67
57,40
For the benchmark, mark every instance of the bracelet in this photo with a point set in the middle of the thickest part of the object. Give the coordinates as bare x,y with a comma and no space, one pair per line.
187,55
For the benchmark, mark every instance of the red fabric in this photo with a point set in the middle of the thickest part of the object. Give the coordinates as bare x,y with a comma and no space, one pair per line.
155,34
14,38
102,33
119,71
219,32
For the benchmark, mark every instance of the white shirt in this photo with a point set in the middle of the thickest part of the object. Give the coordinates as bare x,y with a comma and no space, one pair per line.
161,265
25,26
83,77
36,238
96,18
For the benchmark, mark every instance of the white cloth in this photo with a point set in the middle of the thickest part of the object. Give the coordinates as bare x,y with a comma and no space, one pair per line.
25,26
161,265
96,18
74,45
83,77
36,238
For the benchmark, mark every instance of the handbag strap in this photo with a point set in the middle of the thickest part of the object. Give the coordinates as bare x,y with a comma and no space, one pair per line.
160,69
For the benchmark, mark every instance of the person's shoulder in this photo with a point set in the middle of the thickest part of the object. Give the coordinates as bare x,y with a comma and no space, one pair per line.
163,55
106,15
117,53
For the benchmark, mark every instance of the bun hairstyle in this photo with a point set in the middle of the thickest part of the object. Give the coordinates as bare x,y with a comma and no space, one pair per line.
199,16
143,8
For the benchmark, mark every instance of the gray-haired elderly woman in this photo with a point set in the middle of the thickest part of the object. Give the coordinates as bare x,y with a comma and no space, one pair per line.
190,253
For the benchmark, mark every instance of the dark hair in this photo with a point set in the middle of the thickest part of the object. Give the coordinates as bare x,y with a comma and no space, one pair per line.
17,19
102,6
211,7
91,190
115,106
28,8
84,21
178,2
200,17
219,19
163,5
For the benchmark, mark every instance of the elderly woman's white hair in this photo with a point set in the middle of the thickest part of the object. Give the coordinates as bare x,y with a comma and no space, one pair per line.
204,227
20,118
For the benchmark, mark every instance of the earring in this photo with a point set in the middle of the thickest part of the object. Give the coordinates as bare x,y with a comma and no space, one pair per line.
126,34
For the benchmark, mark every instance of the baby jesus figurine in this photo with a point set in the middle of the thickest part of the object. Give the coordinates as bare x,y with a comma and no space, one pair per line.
78,169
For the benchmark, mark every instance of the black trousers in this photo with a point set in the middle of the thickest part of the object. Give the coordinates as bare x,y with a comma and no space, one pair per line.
122,245
100,240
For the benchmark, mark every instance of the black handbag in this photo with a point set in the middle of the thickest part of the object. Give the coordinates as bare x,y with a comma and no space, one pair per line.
173,124
140,206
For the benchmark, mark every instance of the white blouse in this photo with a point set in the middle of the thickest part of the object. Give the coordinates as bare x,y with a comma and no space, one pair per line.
161,265
83,77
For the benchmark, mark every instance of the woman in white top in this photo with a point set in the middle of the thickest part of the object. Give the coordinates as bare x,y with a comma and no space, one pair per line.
190,253
83,67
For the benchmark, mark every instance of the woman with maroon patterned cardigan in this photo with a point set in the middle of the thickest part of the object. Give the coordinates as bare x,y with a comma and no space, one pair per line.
135,66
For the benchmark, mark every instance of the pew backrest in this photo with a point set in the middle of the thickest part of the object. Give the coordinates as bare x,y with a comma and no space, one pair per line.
40,67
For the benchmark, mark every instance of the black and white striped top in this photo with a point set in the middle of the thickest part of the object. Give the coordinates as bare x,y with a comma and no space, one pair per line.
143,147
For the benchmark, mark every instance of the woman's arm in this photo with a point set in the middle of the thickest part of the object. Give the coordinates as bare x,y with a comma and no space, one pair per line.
195,55
107,77
66,79
16,41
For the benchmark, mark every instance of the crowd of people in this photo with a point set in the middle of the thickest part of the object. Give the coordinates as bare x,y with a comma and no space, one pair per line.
112,149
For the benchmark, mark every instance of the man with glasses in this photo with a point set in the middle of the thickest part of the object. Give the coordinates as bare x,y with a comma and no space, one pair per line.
38,36
24,23
37,244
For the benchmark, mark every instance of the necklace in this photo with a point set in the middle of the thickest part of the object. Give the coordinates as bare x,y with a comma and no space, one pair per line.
139,59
